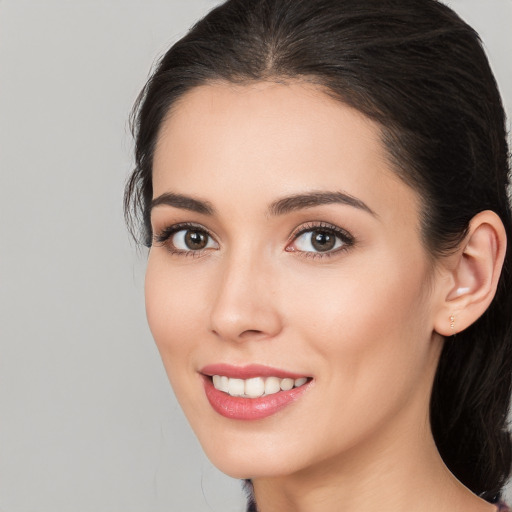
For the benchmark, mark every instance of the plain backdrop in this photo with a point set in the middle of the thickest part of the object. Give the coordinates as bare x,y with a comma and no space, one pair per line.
88,422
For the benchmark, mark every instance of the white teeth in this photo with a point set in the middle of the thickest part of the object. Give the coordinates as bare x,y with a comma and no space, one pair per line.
272,385
287,384
256,386
236,387
224,384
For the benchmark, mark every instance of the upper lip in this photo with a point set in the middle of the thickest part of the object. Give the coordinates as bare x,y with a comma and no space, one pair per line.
248,371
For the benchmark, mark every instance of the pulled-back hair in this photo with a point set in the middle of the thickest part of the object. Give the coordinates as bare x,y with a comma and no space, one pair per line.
420,72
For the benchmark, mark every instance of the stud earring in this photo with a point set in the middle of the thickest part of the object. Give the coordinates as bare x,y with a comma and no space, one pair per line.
452,322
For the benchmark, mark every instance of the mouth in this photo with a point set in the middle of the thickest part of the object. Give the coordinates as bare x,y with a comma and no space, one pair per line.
255,387
251,392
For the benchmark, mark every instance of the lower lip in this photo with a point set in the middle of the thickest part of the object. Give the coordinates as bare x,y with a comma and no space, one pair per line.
238,408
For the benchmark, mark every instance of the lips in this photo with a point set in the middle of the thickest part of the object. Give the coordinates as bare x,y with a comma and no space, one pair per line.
248,372
251,392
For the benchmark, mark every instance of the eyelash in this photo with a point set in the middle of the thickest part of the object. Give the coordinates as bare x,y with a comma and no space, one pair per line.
344,236
163,237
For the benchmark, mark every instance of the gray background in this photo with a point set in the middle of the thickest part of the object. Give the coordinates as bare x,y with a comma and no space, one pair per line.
88,422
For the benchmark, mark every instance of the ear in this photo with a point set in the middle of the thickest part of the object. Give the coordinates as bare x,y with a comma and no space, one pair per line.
470,276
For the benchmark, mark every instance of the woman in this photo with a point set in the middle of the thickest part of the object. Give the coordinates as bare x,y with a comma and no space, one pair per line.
322,185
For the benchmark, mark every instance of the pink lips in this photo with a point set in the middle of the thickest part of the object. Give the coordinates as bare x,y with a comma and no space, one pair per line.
247,372
239,408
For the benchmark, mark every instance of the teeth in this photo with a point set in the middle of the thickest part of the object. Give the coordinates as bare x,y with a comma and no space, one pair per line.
221,382
287,384
299,382
224,384
255,387
236,387
272,385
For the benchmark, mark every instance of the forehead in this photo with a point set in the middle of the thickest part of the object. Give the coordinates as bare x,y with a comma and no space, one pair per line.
273,139
267,118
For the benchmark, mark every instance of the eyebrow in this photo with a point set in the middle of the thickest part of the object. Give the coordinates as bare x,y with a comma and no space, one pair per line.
279,207
312,199
183,202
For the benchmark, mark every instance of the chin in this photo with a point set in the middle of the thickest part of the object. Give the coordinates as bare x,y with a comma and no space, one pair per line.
254,460
250,469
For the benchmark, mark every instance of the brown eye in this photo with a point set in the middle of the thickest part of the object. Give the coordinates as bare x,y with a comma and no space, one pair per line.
192,239
196,240
323,240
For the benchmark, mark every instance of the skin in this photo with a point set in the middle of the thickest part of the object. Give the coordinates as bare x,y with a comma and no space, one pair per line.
361,321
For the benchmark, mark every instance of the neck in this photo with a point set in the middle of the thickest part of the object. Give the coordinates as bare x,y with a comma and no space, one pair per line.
398,471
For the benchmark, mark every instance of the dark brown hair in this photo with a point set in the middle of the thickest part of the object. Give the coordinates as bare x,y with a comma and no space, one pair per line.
418,70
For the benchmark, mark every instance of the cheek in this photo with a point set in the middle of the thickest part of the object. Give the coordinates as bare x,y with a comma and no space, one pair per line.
370,321
368,336
171,301
171,308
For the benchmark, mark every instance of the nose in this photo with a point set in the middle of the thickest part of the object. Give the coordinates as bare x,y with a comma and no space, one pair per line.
245,306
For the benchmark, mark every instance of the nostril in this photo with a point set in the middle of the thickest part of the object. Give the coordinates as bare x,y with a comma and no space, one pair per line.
250,332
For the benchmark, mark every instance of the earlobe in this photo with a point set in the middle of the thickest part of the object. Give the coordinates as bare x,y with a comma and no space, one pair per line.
474,272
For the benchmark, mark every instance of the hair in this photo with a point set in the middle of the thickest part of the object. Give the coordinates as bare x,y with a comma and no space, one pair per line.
420,72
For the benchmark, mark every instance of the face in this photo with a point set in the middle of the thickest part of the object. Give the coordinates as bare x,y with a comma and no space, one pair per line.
287,287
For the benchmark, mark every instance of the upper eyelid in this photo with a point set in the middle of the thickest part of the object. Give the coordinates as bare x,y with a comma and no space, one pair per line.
319,225
172,229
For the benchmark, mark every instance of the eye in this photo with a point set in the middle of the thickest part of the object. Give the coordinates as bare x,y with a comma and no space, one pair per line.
192,240
321,239
186,239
